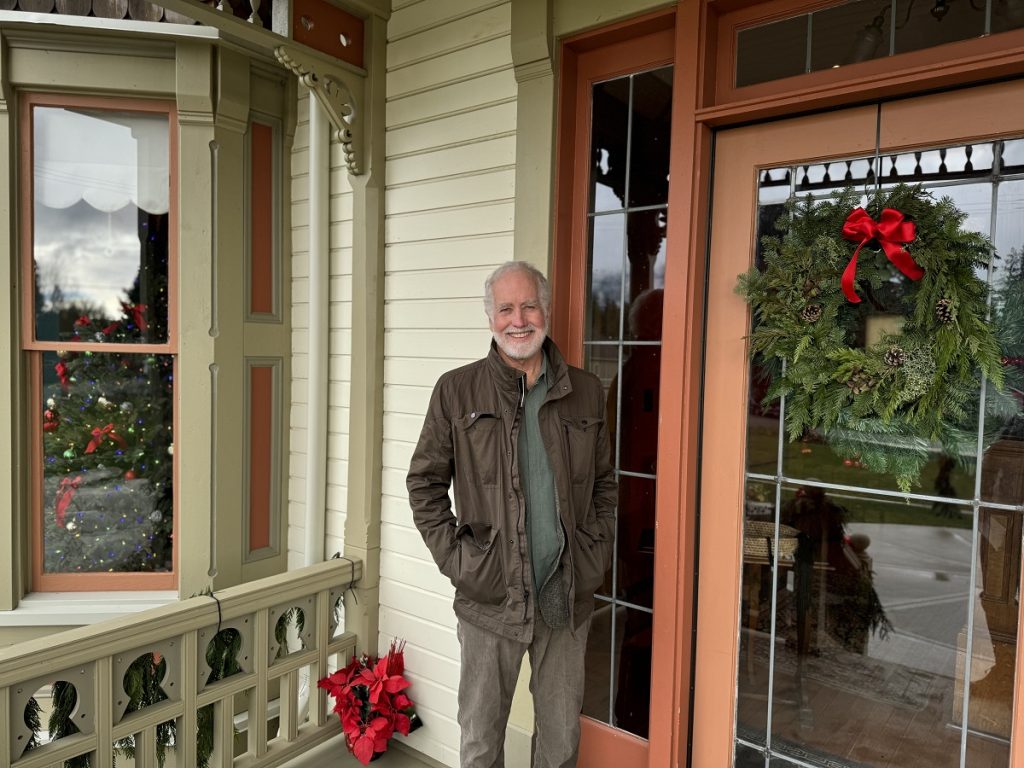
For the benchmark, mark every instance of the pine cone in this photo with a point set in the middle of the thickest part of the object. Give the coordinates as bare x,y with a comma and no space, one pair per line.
811,313
860,382
944,311
810,288
895,357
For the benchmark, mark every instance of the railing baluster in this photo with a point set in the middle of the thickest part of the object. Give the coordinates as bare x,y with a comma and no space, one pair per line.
264,634
289,713
223,733
6,727
187,723
317,697
103,710
145,748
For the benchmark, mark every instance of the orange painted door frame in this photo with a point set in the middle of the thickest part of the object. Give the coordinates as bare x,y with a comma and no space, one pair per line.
616,51
962,116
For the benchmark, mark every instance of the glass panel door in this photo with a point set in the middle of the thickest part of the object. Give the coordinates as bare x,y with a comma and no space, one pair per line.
865,619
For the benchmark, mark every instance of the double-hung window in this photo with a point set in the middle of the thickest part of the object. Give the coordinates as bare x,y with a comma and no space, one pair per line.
98,333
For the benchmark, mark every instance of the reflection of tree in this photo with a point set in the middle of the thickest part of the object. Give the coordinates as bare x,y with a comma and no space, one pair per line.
605,288
1008,319
107,434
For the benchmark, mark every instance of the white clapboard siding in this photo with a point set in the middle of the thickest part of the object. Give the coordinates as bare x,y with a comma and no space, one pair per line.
339,341
450,190
452,130
478,27
463,96
459,65
433,15
472,157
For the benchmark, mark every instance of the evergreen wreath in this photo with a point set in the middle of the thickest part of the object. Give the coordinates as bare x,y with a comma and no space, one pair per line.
885,405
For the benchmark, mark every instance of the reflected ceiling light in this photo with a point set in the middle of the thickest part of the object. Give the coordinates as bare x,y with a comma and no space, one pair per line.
939,10
865,44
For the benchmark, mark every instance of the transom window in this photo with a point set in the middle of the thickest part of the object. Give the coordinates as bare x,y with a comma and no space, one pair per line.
862,30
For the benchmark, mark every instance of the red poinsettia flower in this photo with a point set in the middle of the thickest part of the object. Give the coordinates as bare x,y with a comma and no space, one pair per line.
369,701
379,682
83,320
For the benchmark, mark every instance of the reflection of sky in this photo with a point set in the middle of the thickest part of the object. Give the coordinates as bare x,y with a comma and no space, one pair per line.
1010,221
605,198
607,256
93,256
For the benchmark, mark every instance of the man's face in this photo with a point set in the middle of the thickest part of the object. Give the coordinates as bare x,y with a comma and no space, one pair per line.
518,325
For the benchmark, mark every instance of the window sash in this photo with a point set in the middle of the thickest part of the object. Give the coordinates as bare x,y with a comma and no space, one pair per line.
35,349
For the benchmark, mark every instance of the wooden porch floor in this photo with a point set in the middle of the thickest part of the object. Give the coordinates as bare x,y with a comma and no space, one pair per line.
333,753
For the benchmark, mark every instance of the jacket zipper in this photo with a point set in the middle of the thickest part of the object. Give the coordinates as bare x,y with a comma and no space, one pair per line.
526,573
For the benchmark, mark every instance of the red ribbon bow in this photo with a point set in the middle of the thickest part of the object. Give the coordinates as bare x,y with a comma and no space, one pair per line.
891,232
138,313
62,373
65,493
99,435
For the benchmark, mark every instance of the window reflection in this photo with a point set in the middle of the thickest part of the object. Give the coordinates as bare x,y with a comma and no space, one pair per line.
100,219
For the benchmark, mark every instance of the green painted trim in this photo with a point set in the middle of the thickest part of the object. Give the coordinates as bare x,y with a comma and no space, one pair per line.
366,408
533,59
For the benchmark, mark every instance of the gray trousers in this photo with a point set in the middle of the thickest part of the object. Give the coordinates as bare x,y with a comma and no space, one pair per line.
490,668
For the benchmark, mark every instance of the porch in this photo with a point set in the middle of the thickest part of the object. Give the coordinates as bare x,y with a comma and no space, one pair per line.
282,634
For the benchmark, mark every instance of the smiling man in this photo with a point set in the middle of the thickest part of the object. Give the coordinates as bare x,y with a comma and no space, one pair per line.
522,437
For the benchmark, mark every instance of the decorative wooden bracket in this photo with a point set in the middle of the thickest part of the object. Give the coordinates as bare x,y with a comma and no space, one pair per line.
336,93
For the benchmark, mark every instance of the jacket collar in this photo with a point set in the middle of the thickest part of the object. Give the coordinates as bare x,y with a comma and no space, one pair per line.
508,378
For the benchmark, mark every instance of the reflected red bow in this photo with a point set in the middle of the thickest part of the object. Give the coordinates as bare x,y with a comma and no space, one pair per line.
62,373
138,313
65,494
99,435
891,232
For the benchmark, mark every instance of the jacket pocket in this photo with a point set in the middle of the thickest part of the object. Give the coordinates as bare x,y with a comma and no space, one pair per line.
478,447
480,575
581,446
591,560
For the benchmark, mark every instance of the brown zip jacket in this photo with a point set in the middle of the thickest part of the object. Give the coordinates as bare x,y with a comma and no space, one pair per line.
469,440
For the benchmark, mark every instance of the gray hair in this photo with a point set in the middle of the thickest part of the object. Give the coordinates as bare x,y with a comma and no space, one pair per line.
543,287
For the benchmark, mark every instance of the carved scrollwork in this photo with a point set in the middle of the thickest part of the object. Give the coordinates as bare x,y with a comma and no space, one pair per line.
338,98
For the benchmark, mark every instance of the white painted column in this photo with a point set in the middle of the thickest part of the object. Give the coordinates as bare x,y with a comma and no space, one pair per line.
319,300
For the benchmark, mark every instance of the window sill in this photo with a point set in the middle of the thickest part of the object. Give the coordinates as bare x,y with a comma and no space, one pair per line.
73,609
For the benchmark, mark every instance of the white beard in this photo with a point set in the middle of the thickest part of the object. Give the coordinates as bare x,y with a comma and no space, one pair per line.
523,349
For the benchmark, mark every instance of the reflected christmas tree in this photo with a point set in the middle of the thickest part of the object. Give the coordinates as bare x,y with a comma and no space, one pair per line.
107,433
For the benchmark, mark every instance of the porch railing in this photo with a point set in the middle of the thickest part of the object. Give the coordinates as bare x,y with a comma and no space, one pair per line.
96,659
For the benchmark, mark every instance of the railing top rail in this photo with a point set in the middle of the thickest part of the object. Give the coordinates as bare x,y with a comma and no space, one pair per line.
24,660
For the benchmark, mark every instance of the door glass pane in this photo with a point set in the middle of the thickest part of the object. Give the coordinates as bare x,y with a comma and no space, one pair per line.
608,137
650,136
604,275
871,620
622,345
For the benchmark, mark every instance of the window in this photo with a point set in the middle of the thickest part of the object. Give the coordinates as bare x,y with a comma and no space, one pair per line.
98,304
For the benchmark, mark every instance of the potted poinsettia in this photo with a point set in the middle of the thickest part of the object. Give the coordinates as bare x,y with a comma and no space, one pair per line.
370,701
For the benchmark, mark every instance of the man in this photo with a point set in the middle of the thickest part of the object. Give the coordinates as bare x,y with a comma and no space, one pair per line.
522,435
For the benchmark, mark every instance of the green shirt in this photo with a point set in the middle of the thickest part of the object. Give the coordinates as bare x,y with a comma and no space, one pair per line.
543,529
